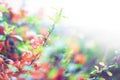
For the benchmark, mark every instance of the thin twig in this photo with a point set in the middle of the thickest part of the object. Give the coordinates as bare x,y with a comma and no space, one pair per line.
53,26
34,59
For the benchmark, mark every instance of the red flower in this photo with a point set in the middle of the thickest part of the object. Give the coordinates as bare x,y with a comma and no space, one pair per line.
30,34
37,75
45,67
1,46
80,58
14,17
14,56
81,78
37,42
4,76
2,30
22,13
17,64
27,56
1,60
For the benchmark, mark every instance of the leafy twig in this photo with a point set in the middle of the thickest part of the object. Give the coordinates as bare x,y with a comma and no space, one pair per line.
55,20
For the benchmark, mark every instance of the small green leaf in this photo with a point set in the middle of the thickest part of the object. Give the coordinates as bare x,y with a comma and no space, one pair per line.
39,49
3,9
109,73
13,68
52,73
96,67
72,77
8,29
30,68
93,72
65,17
101,79
23,48
58,16
18,37
5,24
2,37
102,63
50,18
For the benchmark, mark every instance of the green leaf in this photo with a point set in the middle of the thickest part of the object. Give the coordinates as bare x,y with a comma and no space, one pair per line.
2,37
94,72
23,48
50,18
18,37
109,73
39,49
30,68
58,16
96,67
101,79
32,19
8,29
5,24
52,73
65,17
3,9
13,68
102,63
72,77
20,30
79,65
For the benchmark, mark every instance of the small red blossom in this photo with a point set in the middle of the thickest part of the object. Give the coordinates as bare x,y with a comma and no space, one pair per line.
14,56
37,42
37,75
2,30
45,67
27,56
15,18
1,46
4,76
17,63
9,72
81,78
1,60
22,13
30,34
80,58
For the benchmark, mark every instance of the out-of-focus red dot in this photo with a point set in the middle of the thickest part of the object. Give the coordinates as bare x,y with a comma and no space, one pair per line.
37,42
1,30
1,60
81,78
80,58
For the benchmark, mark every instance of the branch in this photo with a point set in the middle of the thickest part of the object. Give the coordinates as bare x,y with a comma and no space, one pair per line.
53,26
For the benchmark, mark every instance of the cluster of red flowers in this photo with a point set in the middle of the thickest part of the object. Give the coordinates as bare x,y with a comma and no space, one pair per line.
13,60
17,64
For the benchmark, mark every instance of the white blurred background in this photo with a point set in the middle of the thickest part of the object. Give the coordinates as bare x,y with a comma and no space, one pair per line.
99,19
